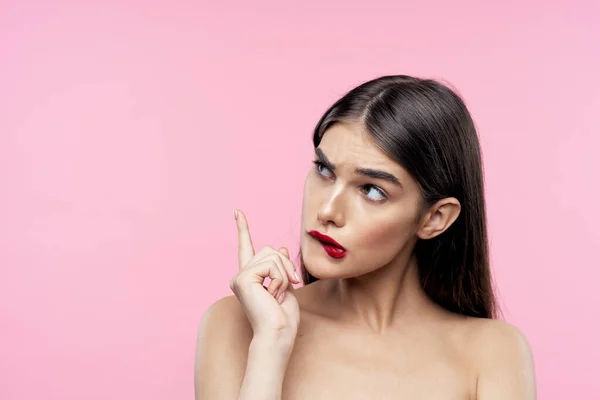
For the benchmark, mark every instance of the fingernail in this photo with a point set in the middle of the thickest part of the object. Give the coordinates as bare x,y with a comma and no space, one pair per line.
296,276
280,297
235,214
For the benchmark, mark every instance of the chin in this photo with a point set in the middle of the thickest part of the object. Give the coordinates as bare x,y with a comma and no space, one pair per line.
321,266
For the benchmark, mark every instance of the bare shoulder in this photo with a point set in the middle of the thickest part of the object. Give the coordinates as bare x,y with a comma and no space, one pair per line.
222,343
503,360
226,312
491,335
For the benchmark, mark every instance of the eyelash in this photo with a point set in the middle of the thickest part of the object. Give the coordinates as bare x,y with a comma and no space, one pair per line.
319,165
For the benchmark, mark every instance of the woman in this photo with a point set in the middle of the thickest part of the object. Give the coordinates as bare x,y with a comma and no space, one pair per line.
397,299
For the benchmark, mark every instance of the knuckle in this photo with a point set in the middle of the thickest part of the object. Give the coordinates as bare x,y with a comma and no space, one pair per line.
269,249
274,257
240,279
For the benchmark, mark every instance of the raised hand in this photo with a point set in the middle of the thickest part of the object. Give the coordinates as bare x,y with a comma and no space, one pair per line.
271,310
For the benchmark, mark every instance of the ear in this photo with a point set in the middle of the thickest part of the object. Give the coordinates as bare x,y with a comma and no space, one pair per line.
438,218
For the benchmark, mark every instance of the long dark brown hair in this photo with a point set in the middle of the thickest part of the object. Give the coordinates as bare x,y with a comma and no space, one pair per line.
426,127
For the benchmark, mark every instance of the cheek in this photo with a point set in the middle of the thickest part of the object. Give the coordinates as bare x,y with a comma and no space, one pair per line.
382,239
386,236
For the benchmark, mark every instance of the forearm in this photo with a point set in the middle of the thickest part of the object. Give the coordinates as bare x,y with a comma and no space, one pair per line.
265,370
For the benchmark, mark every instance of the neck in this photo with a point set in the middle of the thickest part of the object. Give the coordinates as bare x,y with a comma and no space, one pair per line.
386,298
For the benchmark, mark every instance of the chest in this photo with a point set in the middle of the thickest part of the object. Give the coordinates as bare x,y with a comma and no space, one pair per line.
352,366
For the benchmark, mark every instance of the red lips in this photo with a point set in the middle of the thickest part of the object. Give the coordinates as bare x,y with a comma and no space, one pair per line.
331,247
324,238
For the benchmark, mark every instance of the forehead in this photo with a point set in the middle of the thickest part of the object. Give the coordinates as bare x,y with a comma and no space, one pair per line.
349,145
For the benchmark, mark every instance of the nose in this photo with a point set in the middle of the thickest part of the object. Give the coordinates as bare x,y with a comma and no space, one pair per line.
331,209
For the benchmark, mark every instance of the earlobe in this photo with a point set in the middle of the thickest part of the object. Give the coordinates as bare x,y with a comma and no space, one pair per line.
439,218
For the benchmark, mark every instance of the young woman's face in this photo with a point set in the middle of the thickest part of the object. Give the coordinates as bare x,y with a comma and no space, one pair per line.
371,217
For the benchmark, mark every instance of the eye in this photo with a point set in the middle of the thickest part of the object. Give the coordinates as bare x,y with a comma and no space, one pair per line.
322,169
374,194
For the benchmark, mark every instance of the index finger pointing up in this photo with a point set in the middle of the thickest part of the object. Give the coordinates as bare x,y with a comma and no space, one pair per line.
245,246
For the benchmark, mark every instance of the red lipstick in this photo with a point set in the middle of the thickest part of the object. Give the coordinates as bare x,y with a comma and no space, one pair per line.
331,247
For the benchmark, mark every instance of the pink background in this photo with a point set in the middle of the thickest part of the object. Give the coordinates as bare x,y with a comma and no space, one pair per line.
129,131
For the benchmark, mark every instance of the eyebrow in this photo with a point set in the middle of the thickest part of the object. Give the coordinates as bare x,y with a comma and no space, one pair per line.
372,173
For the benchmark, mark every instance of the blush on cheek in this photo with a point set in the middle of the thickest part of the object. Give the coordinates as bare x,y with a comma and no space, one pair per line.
387,239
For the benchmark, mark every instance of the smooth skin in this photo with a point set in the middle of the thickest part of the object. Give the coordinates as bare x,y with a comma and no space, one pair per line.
366,330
